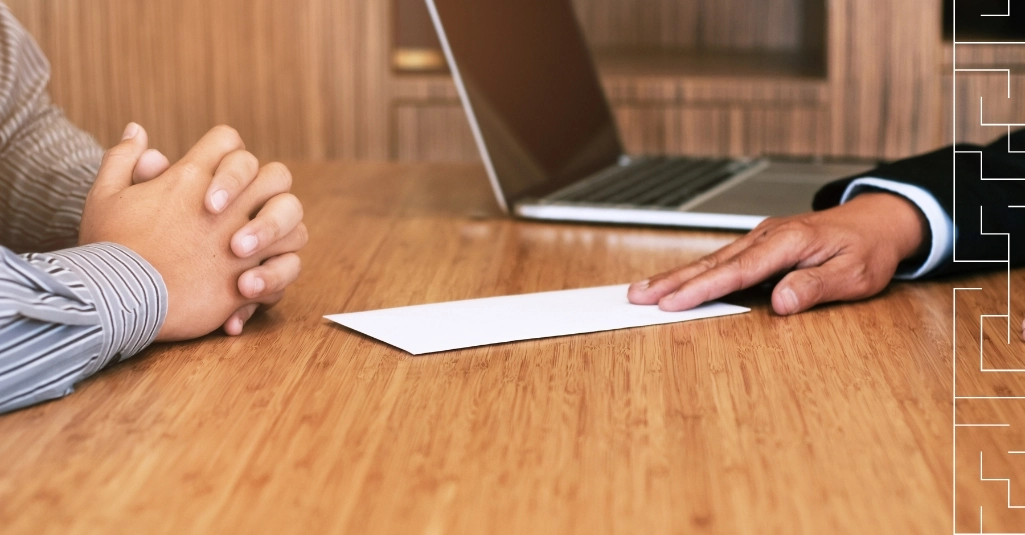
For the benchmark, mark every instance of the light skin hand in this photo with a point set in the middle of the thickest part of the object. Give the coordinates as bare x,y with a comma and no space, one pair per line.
846,253
181,239
277,224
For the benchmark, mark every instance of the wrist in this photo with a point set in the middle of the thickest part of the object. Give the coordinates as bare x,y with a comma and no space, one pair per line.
129,295
900,219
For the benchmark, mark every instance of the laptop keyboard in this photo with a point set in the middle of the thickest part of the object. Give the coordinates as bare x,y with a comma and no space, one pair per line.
657,181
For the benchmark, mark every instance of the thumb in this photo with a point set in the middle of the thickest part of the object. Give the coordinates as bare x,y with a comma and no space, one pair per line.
836,280
151,165
120,160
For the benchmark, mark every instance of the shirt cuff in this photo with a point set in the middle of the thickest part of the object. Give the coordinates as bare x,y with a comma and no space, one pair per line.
940,224
130,297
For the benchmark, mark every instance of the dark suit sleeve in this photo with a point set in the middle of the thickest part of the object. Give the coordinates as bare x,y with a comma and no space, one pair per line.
934,172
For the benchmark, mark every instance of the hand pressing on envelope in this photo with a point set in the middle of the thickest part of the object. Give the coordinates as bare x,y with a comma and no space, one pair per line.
221,230
846,253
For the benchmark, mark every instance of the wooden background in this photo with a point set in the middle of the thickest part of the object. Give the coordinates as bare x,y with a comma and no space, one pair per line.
310,79
297,78
708,24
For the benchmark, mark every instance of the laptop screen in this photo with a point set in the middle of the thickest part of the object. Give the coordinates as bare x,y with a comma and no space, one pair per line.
534,91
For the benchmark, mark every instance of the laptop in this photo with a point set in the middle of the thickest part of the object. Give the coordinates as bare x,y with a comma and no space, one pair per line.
549,141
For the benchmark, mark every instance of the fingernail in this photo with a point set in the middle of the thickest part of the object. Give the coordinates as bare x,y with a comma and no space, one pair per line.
219,199
256,286
790,303
131,131
643,285
248,243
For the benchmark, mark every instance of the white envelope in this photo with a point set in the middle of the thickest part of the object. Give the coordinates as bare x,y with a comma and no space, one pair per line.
478,322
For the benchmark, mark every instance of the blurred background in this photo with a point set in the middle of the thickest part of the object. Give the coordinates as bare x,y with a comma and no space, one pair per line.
363,79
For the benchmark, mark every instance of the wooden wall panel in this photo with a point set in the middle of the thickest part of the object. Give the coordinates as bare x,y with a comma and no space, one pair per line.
310,79
439,132
996,107
879,99
695,24
299,79
886,85
435,132
991,86
723,130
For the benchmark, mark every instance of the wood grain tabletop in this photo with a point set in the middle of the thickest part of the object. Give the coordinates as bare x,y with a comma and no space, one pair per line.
839,420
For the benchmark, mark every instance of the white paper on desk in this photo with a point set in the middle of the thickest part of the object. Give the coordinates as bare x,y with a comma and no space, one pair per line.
478,322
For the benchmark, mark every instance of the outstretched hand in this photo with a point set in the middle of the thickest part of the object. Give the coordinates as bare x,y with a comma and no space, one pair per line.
281,216
846,253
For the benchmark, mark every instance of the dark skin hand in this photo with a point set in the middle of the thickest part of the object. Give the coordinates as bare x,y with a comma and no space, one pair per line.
846,253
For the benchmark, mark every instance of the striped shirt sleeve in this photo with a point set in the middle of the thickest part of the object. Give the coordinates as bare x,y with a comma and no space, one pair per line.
47,165
68,314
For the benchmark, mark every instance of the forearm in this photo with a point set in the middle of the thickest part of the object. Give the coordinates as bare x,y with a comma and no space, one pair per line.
44,179
66,315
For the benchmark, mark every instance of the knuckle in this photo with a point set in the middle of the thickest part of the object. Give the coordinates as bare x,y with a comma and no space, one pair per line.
293,205
249,162
239,170
118,152
226,139
271,228
794,226
273,277
279,175
861,283
707,263
794,232
766,224
303,235
290,269
237,181
227,134
189,169
742,264
734,272
234,181
814,284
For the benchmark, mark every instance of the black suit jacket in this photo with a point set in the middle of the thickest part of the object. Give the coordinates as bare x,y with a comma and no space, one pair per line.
934,172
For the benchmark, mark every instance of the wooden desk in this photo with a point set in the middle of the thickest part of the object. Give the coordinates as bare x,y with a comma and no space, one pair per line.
838,420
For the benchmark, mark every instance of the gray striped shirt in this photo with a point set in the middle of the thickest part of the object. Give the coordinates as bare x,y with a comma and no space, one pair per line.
63,315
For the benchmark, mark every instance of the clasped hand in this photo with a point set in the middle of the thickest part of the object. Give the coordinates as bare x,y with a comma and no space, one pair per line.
221,230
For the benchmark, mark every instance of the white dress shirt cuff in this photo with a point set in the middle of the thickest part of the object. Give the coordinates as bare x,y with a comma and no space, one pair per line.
940,224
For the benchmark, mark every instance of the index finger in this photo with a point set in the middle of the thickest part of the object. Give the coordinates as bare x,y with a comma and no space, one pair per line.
212,148
746,269
650,291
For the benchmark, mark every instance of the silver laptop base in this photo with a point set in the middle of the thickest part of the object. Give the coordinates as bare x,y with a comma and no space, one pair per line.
650,191
662,217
